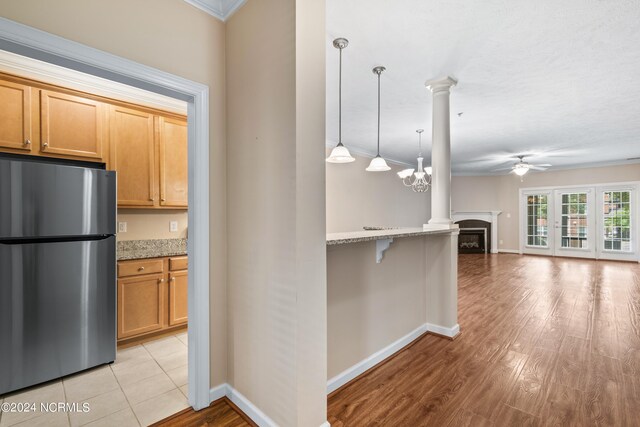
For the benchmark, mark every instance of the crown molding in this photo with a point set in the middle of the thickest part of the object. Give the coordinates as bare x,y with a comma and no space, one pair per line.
29,68
220,9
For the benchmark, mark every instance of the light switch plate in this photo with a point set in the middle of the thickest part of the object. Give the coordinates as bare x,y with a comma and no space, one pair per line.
173,226
122,227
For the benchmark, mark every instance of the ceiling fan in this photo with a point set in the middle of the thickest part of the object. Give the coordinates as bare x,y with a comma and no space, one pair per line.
521,167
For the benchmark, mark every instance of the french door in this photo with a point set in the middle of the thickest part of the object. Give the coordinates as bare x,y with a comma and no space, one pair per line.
574,223
586,222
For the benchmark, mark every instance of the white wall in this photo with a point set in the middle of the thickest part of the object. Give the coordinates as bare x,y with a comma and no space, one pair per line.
356,198
276,208
502,192
372,305
145,224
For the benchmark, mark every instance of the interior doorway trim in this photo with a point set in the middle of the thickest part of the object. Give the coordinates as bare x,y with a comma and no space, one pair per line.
40,45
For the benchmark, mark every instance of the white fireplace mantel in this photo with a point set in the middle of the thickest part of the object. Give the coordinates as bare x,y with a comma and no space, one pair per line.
489,216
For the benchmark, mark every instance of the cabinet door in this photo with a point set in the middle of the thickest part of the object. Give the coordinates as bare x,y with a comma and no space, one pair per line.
71,125
132,156
178,284
141,305
15,116
173,162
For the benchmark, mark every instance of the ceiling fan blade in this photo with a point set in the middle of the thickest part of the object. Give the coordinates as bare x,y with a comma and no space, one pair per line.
502,169
542,165
538,167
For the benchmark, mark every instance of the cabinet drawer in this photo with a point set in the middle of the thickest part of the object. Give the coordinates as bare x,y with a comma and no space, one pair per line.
178,263
139,267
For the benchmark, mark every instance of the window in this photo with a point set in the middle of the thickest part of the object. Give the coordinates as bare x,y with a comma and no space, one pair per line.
574,221
617,221
537,220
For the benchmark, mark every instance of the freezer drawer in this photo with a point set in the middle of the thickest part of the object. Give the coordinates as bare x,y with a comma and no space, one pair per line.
50,200
57,309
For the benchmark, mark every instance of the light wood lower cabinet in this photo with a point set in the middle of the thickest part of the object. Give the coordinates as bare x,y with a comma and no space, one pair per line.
178,298
141,302
152,296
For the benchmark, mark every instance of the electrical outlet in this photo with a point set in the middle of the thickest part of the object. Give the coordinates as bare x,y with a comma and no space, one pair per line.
501,242
173,226
508,214
122,227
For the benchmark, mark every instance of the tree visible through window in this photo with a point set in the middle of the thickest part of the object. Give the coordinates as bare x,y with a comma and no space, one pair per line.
617,221
537,220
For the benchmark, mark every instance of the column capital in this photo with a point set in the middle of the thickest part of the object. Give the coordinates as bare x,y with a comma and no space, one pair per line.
440,84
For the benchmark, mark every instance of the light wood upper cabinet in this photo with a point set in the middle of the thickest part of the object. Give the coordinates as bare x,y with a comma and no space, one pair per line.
172,138
133,156
15,116
71,125
178,284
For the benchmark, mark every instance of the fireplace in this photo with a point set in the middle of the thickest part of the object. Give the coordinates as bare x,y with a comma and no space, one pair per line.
478,219
475,236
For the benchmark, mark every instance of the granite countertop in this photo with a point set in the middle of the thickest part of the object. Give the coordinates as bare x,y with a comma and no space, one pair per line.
391,233
156,248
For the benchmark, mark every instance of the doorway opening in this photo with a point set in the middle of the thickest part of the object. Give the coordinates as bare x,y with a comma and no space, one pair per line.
31,43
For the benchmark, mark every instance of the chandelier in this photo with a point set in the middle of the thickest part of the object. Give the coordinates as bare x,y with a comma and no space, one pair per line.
420,180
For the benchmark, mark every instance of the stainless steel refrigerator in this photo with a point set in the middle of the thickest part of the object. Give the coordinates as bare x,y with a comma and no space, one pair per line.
57,269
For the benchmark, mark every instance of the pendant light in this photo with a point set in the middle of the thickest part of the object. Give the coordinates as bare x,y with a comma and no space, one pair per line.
378,164
340,154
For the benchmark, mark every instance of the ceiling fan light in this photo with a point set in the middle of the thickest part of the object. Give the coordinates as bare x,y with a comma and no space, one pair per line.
340,154
405,173
520,170
378,164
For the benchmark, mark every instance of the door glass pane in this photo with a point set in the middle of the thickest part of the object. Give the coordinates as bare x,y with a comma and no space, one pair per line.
537,220
574,221
616,221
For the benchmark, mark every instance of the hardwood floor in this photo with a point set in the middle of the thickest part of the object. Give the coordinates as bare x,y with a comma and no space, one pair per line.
222,412
545,341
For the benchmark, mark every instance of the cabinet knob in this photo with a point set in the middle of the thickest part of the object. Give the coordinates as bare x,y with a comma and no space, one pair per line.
27,142
160,280
140,268
173,279
163,199
152,199
45,144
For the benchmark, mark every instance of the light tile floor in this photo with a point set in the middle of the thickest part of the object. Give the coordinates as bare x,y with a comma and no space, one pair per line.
145,384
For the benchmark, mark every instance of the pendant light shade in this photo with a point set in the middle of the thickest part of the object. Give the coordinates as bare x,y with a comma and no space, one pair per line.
378,164
340,153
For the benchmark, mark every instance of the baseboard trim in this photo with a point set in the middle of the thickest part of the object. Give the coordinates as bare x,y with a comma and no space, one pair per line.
442,331
218,392
371,361
251,410
244,404
509,251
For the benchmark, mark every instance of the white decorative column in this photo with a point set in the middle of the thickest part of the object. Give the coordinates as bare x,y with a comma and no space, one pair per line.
441,151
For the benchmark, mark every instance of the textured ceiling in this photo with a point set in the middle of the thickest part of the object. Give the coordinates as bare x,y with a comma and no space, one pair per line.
559,80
